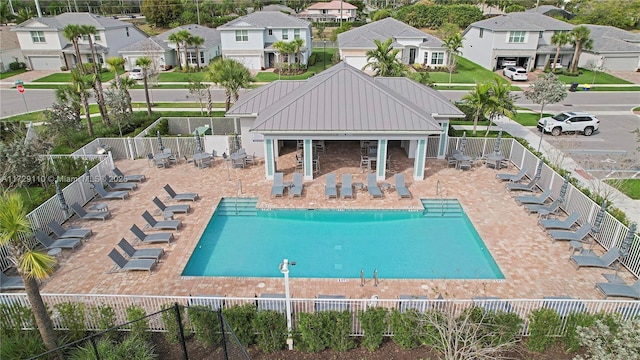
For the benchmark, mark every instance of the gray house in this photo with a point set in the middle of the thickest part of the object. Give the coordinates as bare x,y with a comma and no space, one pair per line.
344,104
613,49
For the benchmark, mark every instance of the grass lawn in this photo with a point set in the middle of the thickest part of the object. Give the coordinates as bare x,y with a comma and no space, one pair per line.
320,65
177,76
528,119
631,188
468,73
587,77
10,73
66,77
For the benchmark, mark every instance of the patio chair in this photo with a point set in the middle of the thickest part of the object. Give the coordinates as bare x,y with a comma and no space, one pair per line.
107,195
91,215
330,189
151,238
180,197
160,225
73,232
511,177
535,200
296,189
277,189
620,290
131,264
133,253
530,186
565,224
545,209
331,303
372,187
346,188
401,188
11,282
121,185
273,302
564,235
127,178
49,243
179,209
604,261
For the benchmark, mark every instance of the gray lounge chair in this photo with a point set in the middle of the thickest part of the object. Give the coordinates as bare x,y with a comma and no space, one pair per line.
604,261
565,224
331,303
121,185
511,177
346,188
530,186
151,238
547,209
620,290
131,264
133,253
126,178
564,235
372,187
492,303
92,215
49,243
277,189
160,225
63,233
401,188
296,189
180,197
11,282
532,199
330,188
179,209
273,302
563,305
213,302
419,303
110,194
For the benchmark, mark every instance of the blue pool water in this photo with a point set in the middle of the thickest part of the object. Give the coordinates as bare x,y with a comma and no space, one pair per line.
338,244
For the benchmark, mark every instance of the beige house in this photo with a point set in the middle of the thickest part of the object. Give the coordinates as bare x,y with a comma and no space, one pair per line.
329,12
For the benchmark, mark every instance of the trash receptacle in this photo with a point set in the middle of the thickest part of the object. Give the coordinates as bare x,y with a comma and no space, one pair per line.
573,87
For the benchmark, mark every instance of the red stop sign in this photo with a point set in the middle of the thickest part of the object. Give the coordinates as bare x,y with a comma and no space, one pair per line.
20,88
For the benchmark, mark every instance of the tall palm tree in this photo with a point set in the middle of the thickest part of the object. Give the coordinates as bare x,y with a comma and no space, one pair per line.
196,42
174,38
560,39
480,100
184,36
116,64
385,61
453,44
502,103
24,14
31,264
285,49
72,33
580,40
296,46
231,75
90,31
144,63
81,85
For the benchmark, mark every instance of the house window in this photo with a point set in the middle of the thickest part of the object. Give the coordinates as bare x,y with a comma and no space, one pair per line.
481,33
37,36
437,58
90,59
191,56
516,36
285,34
296,33
242,35
270,31
426,58
96,37
540,36
201,57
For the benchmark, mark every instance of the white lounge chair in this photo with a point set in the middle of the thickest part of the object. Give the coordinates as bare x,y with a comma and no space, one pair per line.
330,188
372,187
296,189
278,185
401,188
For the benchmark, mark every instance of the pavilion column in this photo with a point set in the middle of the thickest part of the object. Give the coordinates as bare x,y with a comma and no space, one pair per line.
269,158
444,139
420,159
381,160
308,159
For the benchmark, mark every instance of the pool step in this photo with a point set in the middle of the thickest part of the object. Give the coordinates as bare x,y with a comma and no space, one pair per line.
237,207
441,207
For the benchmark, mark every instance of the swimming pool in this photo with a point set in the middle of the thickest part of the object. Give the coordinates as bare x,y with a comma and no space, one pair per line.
338,244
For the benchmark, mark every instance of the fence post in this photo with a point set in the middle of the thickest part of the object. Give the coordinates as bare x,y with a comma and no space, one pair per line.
185,355
224,338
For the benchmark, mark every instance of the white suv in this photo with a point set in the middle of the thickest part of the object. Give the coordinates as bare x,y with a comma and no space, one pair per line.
136,74
515,73
569,122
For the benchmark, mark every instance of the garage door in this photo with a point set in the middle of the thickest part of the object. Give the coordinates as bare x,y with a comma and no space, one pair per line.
357,62
45,62
621,63
251,62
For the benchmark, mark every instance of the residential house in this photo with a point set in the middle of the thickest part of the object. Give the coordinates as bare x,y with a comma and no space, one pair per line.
613,49
329,12
45,47
522,37
278,7
249,39
415,45
552,11
10,50
162,52
343,104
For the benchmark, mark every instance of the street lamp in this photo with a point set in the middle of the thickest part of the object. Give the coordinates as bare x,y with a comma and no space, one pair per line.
284,269
544,126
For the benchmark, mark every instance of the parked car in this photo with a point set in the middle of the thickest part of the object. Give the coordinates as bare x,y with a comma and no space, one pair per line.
516,73
570,122
136,74
507,62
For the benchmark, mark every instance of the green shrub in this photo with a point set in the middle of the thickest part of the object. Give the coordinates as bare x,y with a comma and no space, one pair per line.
132,348
140,326
106,319
271,328
311,330
570,337
543,324
22,345
374,325
240,318
72,316
13,318
313,59
338,330
17,65
171,323
206,325
162,126
496,328
405,328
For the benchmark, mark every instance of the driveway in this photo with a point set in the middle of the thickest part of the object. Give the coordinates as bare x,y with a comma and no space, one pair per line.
632,76
26,77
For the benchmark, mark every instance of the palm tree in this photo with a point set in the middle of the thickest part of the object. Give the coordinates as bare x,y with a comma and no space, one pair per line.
174,38
144,62
24,14
580,40
116,64
184,36
560,39
196,42
284,48
296,46
231,75
480,100
68,95
90,31
453,44
502,103
73,32
385,61
32,265
81,85
5,13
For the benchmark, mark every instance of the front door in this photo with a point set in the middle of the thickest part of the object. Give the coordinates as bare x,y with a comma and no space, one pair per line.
412,56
